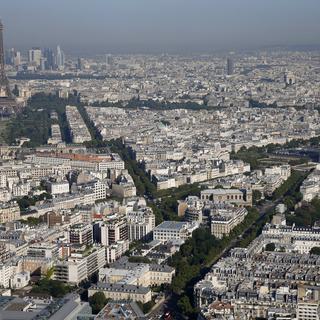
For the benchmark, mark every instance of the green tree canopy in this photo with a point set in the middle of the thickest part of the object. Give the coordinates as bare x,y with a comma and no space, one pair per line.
256,196
54,288
184,305
315,250
97,302
270,247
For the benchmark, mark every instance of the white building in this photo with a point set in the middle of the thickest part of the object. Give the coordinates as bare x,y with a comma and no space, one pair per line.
141,274
20,280
225,218
100,190
298,239
310,187
140,223
59,187
43,250
116,250
308,310
174,230
21,189
79,266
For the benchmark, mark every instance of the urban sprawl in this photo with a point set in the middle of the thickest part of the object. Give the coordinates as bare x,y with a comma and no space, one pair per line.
161,181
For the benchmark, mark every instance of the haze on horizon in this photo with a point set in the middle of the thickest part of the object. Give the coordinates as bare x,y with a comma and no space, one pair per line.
126,26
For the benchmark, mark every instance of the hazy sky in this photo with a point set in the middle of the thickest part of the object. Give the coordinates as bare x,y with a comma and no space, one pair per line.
160,25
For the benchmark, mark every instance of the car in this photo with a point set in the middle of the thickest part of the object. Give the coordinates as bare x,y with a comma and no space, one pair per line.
167,316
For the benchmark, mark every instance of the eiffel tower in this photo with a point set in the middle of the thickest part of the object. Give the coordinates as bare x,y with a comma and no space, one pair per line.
8,103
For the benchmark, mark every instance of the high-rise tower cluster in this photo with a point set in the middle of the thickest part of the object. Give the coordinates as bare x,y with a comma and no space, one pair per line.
8,104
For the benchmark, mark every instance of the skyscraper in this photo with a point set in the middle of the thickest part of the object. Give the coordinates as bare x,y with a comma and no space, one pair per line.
9,56
12,57
7,100
17,59
42,64
60,58
109,61
80,64
50,59
35,56
230,66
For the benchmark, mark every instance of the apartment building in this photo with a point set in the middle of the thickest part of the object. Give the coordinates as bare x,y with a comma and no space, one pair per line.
225,218
58,187
140,223
78,128
116,250
79,266
114,230
81,161
9,211
81,234
308,310
43,250
55,134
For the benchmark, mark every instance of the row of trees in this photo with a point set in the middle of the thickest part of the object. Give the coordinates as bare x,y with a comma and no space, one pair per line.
195,257
94,132
290,186
155,105
142,180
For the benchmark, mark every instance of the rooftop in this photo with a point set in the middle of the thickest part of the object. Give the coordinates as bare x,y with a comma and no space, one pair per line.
119,288
174,225
221,191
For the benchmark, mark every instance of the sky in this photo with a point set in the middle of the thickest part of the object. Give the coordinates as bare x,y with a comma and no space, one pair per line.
126,26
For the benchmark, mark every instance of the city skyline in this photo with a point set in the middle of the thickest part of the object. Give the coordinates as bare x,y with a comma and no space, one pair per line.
174,27
160,159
